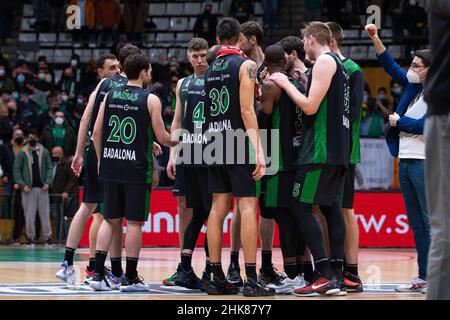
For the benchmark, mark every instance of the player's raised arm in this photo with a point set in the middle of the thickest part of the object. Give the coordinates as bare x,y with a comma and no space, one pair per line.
154,108
322,74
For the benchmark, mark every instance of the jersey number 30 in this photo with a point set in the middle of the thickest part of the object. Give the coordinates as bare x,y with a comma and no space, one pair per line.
220,103
124,130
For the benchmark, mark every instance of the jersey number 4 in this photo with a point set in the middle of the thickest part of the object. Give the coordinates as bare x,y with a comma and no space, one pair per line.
220,103
124,130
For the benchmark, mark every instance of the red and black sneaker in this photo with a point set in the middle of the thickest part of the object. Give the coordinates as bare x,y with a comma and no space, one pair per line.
353,283
322,286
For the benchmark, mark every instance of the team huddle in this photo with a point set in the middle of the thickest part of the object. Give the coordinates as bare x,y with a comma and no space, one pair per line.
301,93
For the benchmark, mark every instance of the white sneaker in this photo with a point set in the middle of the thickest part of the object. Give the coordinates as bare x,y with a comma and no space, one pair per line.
99,284
62,272
114,282
300,281
416,285
135,285
424,290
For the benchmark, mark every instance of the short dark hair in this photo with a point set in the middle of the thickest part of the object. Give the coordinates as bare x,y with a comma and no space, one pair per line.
425,55
228,30
134,64
336,32
320,31
274,55
292,43
197,44
101,61
252,28
127,50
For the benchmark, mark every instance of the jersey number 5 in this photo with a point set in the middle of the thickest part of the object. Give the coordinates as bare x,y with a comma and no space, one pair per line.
124,130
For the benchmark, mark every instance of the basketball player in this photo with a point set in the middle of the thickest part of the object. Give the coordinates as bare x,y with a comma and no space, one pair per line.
323,156
192,102
92,191
250,44
352,281
295,57
230,87
128,119
279,113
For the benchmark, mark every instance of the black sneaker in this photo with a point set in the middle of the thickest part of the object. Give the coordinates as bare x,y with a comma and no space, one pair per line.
133,285
353,283
220,287
49,243
206,277
188,278
270,276
234,275
256,289
29,243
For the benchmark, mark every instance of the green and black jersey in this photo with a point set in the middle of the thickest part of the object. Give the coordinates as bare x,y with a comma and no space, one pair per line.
356,97
325,134
193,138
223,112
287,118
106,86
127,139
183,95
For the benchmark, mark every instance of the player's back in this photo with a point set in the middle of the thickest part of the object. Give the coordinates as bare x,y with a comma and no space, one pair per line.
127,139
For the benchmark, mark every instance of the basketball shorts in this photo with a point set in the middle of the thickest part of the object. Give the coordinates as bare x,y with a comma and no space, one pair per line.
93,187
235,179
319,184
127,200
178,187
275,192
348,195
196,187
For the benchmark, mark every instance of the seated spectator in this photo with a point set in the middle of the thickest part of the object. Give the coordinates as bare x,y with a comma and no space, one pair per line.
242,10
44,68
372,120
384,103
33,174
58,133
6,83
396,93
64,184
67,83
205,25
23,76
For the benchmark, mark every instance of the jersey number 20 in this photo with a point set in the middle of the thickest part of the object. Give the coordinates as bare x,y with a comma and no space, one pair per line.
124,130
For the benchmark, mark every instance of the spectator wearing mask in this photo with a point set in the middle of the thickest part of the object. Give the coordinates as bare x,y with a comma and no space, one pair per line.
6,83
67,83
49,114
383,102
205,25
396,93
33,173
242,10
65,184
405,140
77,70
372,120
58,133
23,76
12,201
108,17
6,125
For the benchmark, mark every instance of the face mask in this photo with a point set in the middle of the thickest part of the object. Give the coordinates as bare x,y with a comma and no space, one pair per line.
56,159
397,91
21,79
41,76
80,101
365,99
64,98
59,121
2,72
32,142
382,96
73,63
413,77
18,140
15,96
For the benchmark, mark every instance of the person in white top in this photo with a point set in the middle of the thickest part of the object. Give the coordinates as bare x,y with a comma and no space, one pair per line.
405,140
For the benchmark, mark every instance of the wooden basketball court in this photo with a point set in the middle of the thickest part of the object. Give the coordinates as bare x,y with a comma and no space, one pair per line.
29,274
